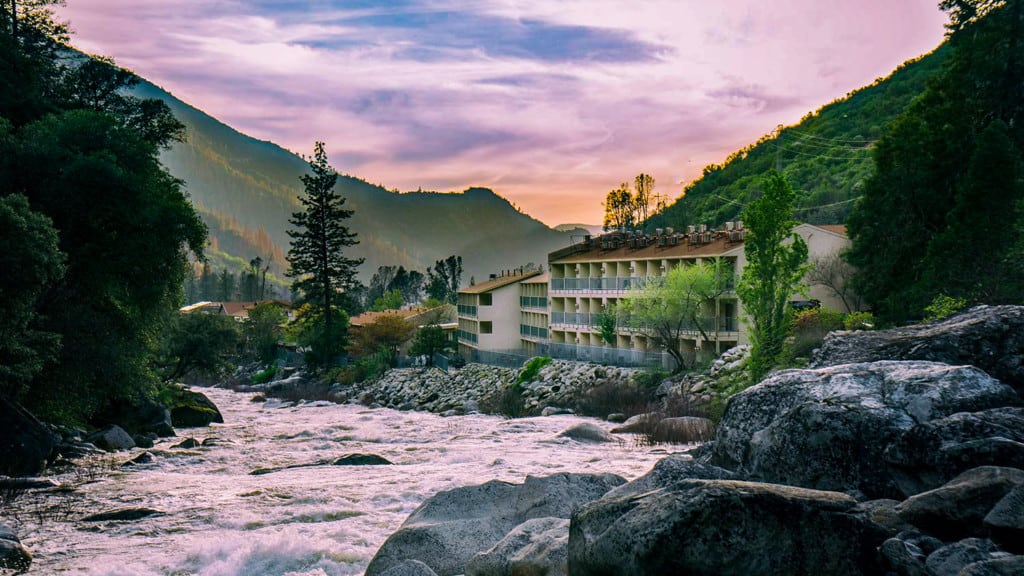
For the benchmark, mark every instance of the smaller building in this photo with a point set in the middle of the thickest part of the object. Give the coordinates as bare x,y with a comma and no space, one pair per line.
418,317
489,313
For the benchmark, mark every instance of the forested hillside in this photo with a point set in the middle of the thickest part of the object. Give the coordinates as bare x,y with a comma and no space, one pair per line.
246,189
826,157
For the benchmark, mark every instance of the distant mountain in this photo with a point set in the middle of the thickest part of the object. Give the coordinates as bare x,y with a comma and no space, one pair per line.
826,157
246,189
580,228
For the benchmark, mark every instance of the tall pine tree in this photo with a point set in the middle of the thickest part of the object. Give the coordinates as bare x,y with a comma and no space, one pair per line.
317,259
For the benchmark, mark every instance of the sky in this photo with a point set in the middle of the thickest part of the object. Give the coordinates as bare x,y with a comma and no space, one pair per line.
550,103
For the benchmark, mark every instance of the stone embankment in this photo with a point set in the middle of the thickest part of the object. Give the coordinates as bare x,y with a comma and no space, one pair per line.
902,466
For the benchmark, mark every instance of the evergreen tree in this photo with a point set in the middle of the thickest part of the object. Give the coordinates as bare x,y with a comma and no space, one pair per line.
776,262
317,259
444,279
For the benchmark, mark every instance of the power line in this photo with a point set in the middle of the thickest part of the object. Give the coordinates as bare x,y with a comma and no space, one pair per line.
827,139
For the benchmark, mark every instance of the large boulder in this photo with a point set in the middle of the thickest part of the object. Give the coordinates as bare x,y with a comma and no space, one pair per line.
989,337
828,428
191,409
112,438
952,558
26,444
932,453
13,556
669,471
957,509
723,527
587,432
1005,522
453,526
538,547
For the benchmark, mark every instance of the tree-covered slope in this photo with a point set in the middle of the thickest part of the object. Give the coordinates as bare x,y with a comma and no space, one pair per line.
246,190
826,157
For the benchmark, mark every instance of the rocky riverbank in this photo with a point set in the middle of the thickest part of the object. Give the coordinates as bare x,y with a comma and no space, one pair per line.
891,464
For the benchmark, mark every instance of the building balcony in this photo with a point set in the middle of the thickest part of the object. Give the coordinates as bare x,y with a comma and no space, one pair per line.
535,333
467,310
468,337
535,302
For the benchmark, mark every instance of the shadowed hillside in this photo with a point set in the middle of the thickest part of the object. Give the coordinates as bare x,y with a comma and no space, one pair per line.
246,189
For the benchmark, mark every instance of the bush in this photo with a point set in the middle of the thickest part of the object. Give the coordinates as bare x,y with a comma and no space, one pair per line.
859,321
611,396
943,306
530,372
650,378
808,331
264,376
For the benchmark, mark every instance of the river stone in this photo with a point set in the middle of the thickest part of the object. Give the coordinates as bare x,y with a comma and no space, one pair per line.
13,555
951,559
26,445
684,430
1007,566
932,453
1005,521
902,557
641,423
957,509
361,460
112,438
989,337
828,428
883,512
141,458
409,568
587,432
187,443
453,526
191,409
538,547
723,527
123,514
669,471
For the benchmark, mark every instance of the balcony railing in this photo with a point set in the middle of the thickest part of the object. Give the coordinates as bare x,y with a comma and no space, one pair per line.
467,310
468,337
532,331
587,320
533,302
612,284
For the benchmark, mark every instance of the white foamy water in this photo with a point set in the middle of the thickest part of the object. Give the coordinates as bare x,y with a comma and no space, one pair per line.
325,520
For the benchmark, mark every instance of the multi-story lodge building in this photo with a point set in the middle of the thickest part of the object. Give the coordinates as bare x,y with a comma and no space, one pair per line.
559,312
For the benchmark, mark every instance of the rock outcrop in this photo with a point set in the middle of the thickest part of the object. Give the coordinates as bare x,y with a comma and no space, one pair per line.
190,409
988,337
829,428
723,527
26,445
452,527
538,547
13,556
112,438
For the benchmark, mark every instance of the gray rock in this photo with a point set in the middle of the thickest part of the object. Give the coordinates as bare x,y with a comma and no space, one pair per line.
361,460
641,423
142,458
616,418
684,430
554,411
902,557
538,547
453,526
587,432
1007,566
409,568
669,471
190,409
26,445
187,443
989,337
123,515
145,440
957,509
1005,522
13,555
111,439
723,527
883,512
828,428
951,559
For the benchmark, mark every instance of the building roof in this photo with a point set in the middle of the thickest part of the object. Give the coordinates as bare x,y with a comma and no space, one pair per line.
410,314
542,279
834,228
720,245
499,282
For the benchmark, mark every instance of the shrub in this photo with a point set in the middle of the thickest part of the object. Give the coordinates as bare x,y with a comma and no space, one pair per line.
809,328
611,396
530,372
859,321
650,378
943,306
264,376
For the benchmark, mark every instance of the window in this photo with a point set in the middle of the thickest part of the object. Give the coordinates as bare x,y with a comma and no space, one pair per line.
485,299
486,327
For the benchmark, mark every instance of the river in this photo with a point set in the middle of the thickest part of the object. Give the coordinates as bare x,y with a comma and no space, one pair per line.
322,521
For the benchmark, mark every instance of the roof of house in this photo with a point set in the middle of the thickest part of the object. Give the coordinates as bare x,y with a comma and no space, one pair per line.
407,314
499,282
719,245
834,228
542,279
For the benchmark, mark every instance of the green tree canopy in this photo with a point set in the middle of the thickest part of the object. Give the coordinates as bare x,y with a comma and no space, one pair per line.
776,262
671,307
317,258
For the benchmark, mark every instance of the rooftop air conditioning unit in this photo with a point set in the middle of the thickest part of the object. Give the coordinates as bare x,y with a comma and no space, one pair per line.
703,228
670,231
658,231
690,229
739,224
729,226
